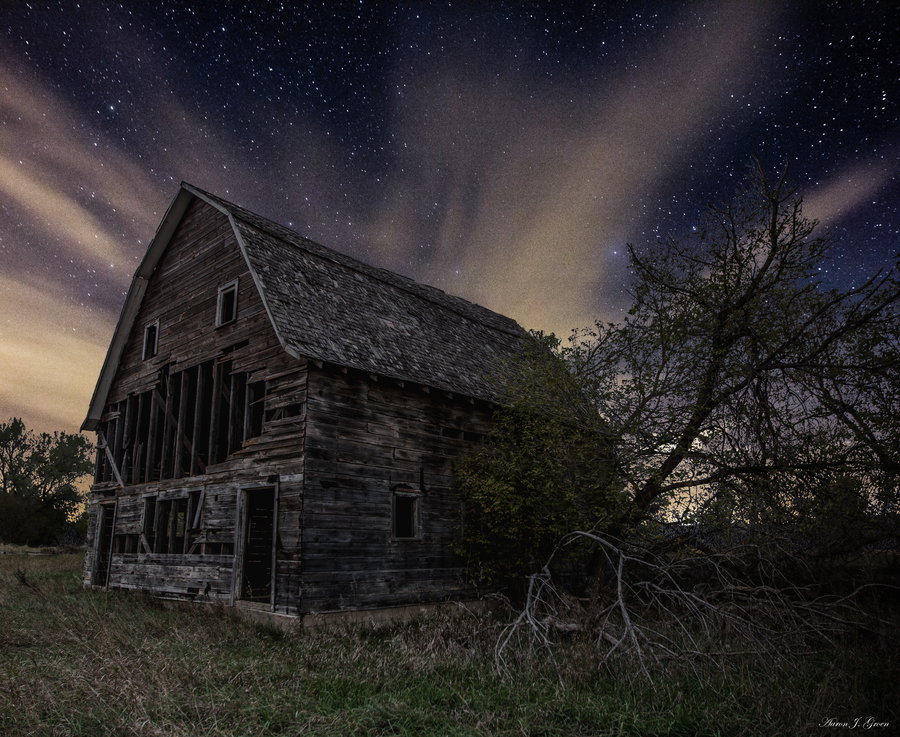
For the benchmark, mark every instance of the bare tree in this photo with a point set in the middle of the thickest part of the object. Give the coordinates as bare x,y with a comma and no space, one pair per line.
752,416
738,372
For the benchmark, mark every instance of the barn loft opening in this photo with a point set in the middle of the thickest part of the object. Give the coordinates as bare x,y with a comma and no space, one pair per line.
189,420
226,306
151,340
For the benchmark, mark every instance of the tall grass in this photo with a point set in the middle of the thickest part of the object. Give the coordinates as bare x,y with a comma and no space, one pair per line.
92,663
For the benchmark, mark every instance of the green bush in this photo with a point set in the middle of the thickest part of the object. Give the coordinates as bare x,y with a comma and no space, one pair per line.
546,470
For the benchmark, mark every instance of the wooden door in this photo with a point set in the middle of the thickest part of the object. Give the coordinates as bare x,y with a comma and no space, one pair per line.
258,545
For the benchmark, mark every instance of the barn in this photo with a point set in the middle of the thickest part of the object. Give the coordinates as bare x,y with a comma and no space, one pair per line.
277,422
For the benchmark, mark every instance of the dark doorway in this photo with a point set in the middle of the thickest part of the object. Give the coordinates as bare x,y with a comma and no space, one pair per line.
258,547
104,543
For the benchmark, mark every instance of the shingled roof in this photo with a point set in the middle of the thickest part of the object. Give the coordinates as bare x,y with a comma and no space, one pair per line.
327,306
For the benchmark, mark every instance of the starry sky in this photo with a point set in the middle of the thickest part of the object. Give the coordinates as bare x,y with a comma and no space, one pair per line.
505,152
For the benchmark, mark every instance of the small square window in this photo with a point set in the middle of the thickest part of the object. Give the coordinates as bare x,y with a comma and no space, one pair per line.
226,307
151,339
405,524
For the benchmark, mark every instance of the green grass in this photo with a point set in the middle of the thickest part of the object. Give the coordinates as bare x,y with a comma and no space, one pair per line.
77,662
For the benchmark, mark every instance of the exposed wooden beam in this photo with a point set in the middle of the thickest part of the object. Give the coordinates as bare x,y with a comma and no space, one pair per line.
152,433
180,426
169,429
101,441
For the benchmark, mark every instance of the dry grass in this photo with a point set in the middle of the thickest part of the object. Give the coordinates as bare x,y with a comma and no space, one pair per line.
76,662
10,549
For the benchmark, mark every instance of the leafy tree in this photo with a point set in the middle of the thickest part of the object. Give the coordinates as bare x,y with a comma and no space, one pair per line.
543,472
39,496
738,384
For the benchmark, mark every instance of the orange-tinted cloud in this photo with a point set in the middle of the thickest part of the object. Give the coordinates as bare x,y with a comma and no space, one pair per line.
50,355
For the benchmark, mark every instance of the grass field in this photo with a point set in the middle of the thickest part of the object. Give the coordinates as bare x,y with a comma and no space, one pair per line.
77,662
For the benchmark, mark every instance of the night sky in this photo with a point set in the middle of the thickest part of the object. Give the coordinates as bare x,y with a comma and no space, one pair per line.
504,152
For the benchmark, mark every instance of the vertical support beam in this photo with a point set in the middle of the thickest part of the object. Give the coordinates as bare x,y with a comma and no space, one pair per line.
169,432
275,497
240,532
238,407
186,540
152,436
198,512
118,449
112,536
106,530
179,432
157,533
199,430
128,437
188,516
140,442
172,524
111,438
214,413
148,524
98,461
245,419
231,412
102,457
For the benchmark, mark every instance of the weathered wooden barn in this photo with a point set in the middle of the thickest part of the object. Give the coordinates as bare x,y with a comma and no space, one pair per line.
277,422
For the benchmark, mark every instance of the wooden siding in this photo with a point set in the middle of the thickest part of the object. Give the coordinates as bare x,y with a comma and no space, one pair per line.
182,295
367,436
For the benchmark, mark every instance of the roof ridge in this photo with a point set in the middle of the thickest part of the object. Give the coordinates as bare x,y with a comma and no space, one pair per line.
383,275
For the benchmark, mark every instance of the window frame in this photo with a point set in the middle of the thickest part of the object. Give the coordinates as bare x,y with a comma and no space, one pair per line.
145,354
416,496
167,508
223,290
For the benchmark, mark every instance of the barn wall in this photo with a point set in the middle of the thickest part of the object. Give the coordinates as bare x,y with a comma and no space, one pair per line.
367,437
182,294
202,256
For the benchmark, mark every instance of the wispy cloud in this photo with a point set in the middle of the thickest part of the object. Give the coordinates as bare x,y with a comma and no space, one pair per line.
60,174
532,192
852,187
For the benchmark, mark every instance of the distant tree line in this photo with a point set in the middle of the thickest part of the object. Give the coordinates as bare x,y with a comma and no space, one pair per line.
40,502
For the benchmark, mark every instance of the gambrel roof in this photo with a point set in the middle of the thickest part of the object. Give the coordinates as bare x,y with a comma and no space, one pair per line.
330,307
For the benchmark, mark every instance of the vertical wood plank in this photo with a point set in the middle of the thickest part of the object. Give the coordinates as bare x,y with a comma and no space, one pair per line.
169,432
198,428
152,439
180,429
128,437
214,414
140,443
119,445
